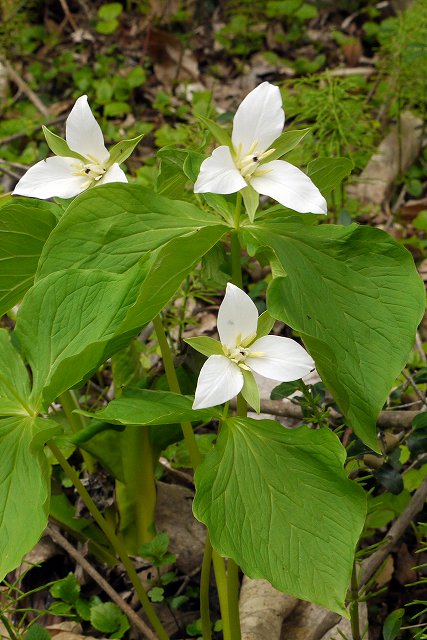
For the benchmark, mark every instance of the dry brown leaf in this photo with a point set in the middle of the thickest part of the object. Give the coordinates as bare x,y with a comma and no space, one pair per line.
386,573
405,563
263,609
174,516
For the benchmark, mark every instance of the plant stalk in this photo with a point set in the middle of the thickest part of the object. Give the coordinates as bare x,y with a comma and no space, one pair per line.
76,421
204,591
354,606
173,383
236,266
115,541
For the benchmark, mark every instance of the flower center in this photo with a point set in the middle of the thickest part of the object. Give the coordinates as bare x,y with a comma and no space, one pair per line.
239,354
248,164
93,171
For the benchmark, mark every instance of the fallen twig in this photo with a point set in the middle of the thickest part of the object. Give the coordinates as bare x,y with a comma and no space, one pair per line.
289,409
23,86
59,539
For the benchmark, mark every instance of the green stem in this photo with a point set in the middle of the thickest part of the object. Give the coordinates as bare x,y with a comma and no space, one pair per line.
236,265
115,541
354,606
222,587
233,598
173,383
76,421
204,591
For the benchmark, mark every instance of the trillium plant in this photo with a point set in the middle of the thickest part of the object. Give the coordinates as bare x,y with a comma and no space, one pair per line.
85,272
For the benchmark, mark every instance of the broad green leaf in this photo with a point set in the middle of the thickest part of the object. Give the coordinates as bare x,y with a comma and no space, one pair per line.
25,225
221,135
64,347
59,146
287,141
24,487
355,297
166,270
279,503
122,150
106,617
251,201
207,346
328,173
146,407
250,390
14,381
112,226
65,322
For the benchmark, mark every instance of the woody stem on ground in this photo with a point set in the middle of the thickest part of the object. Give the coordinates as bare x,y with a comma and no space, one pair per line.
115,541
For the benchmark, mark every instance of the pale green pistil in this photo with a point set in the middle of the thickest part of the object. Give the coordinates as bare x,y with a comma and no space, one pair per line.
239,354
92,170
248,164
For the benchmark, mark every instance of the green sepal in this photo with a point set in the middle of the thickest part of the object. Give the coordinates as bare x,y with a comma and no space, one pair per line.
122,150
59,146
251,200
207,346
265,325
220,134
250,390
287,141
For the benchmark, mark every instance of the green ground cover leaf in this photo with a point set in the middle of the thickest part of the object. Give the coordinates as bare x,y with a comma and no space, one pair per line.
356,298
112,226
279,503
146,407
25,225
24,487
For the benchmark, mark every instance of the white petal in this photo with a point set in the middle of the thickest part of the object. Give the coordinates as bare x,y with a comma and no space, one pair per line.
84,134
219,174
259,118
237,317
283,360
289,186
219,381
114,174
52,177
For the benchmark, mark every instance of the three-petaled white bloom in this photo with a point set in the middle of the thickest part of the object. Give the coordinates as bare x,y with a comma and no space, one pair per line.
66,177
257,124
222,376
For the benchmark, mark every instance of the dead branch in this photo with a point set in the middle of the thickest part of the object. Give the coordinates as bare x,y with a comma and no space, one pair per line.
59,539
23,86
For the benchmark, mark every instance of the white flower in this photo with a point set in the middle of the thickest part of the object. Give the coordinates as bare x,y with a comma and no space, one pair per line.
257,124
222,376
66,177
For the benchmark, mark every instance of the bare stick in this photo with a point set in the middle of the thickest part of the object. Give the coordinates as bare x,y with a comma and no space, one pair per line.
59,539
23,86
289,409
